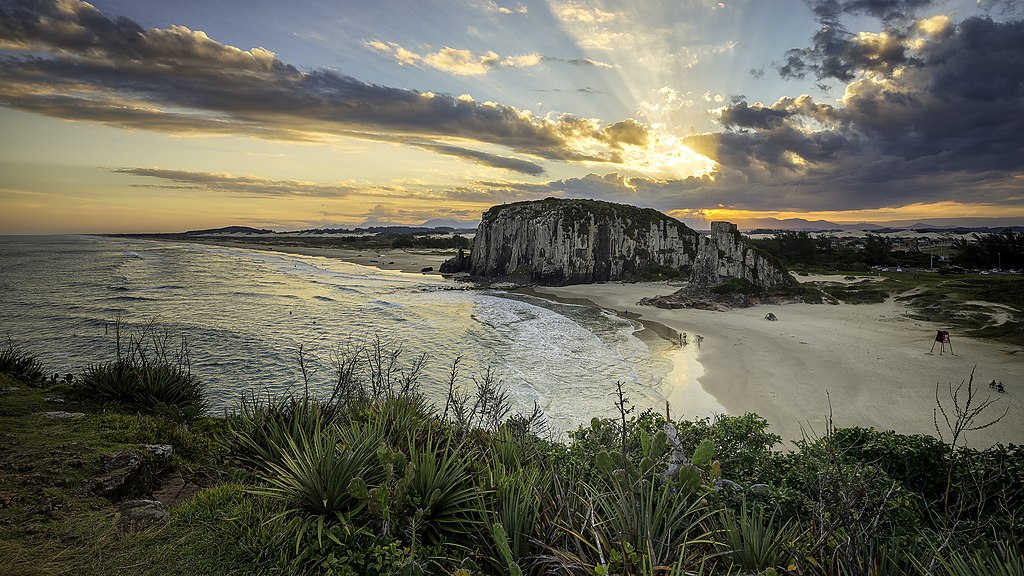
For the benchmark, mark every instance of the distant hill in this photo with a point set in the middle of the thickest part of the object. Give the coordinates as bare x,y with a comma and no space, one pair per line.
228,230
937,224
450,223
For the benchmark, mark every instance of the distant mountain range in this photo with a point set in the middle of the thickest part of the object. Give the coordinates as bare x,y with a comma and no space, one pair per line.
800,224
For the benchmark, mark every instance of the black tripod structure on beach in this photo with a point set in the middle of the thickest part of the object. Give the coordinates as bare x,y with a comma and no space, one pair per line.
942,337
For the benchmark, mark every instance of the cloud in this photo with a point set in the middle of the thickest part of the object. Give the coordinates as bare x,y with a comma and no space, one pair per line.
938,119
576,12
461,62
836,53
456,61
506,10
253,186
388,214
935,121
68,60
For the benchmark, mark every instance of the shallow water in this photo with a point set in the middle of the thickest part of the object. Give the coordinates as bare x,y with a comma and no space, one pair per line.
246,312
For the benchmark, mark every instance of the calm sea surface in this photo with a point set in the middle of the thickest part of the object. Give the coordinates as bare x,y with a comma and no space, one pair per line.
246,312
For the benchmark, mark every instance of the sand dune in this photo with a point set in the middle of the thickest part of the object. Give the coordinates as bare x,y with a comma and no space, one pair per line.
870,359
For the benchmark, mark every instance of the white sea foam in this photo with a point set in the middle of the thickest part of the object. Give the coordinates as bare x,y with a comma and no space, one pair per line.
246,312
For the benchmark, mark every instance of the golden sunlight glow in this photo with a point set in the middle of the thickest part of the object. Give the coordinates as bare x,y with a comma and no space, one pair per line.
909,212
935,25
666,157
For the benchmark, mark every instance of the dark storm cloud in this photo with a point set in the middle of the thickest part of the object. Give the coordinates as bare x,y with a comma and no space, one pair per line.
837,53
946,127
114,71
829,11
939,118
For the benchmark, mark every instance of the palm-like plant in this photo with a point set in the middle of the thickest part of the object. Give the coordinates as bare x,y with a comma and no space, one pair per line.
449,504
324,471
756,540
21,365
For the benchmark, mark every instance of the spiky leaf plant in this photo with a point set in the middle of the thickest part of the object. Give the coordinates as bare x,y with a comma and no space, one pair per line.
21,365
756,540
449,505
316,473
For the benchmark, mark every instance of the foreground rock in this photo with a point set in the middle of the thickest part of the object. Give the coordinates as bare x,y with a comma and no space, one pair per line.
130,473
141,514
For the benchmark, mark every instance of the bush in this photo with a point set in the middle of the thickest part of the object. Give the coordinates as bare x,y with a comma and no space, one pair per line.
159,389
21,365
737,286
148,375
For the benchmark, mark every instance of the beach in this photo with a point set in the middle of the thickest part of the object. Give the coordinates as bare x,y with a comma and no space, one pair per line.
867,364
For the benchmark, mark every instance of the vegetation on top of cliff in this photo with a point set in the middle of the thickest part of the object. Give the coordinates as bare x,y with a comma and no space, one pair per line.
581,209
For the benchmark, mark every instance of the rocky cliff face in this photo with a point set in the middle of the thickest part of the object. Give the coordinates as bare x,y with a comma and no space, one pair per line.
725,254
557,241
578,241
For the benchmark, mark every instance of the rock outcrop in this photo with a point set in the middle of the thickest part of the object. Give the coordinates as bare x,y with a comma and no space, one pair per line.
556,241
725,254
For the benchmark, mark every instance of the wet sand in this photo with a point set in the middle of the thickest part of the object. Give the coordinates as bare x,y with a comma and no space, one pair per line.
870,360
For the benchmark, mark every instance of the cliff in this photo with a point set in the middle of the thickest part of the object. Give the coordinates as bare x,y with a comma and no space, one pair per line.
725,254
556,241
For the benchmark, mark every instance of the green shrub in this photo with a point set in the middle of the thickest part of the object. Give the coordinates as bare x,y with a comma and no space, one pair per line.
756,540
154,388
22,366
736,286
324,471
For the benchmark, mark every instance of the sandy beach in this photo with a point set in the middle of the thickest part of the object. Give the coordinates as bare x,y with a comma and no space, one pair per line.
871,360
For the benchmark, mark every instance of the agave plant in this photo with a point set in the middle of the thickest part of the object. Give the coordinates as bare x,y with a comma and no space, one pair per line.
324,471
449,504
21,365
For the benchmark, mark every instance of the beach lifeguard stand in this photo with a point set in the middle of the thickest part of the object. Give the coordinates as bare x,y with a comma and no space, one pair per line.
942,337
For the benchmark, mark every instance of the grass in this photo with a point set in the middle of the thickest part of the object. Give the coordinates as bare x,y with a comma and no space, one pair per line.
944,300
50,522
386,485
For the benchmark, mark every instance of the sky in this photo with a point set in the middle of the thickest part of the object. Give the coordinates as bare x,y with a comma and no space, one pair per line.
129,116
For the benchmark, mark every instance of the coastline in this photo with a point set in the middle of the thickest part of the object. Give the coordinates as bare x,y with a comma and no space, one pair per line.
408,260
866,363
680,387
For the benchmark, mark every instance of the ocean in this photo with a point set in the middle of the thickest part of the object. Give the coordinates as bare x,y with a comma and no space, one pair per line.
245,314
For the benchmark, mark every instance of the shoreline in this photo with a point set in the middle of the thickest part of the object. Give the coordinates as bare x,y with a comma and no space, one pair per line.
408,260
681,386
866,364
